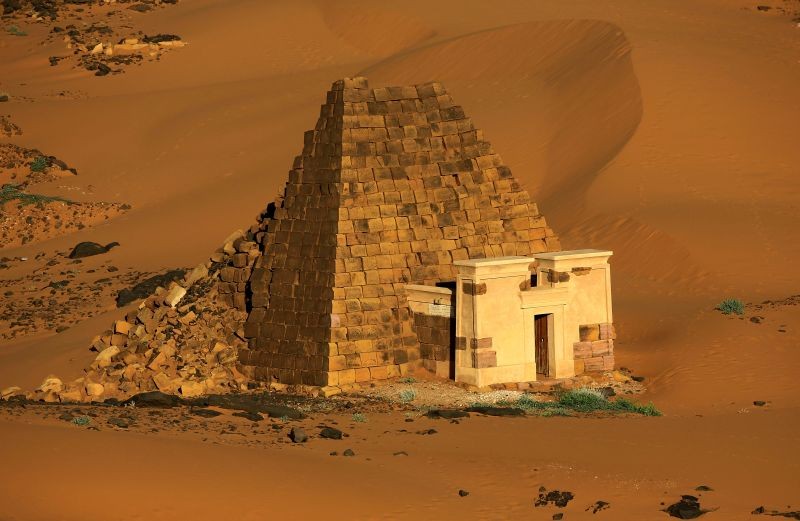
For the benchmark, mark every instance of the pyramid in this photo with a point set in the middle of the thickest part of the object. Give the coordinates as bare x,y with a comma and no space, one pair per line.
393,185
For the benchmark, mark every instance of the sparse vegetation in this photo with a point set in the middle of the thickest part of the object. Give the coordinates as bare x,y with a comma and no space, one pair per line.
12,192
731,306
408,380
408,395
584,400
39,164
81,420
15,31
359,417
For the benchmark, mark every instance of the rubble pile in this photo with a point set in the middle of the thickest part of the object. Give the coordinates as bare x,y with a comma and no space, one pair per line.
183,339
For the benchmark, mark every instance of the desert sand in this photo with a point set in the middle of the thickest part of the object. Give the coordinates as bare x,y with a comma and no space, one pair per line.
666,132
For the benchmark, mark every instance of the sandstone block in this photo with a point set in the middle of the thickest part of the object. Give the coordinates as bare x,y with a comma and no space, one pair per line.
174,296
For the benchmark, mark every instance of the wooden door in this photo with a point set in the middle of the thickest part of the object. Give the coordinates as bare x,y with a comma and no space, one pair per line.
542,345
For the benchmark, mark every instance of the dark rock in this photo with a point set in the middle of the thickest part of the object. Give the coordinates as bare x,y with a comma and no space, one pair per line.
140,8
348,452
496,411
763,7
463,493
298,435
703,488
447,414
597,506
756,320
146,287
427,431
400,453
119,422
161,38
102,69
687,508
205,413
66,416
250,415
88,249
556,497
790,515
608,392
3,98
558,516
330,433
759,403
153,399
637,378
250,403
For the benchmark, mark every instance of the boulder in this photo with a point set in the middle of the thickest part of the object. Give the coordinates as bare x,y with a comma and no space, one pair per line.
52,384
174,296
88,249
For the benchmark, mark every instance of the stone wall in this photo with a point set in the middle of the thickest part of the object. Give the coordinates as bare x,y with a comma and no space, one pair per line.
595,351
393,185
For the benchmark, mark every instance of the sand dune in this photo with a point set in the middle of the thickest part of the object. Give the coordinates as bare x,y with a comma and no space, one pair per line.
664,131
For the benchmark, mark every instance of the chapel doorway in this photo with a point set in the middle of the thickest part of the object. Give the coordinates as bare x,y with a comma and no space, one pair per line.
541,330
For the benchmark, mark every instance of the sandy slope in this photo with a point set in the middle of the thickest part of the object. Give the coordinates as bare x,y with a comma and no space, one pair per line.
664,131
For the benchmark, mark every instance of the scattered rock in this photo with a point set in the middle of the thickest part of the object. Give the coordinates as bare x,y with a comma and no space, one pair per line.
795,514
703,488
447,414
66,416
400,453
687,508
348,452
427,431
555,497
330,433
558,516
298,435
759,403
463,493
597,506
119,422
756,320
249,415
88,249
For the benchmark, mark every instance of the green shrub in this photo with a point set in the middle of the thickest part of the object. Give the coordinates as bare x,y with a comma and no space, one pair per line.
408,395
81,420
625,405
359,418
731,305
39,164
408,380
583,399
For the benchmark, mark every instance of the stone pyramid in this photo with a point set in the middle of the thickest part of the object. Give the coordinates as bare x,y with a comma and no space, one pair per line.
393,185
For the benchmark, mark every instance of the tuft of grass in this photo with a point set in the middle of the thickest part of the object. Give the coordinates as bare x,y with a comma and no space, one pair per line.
408,395
408,380
81,420
583,399
359,417
12,192
15,31
731,305
39,164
